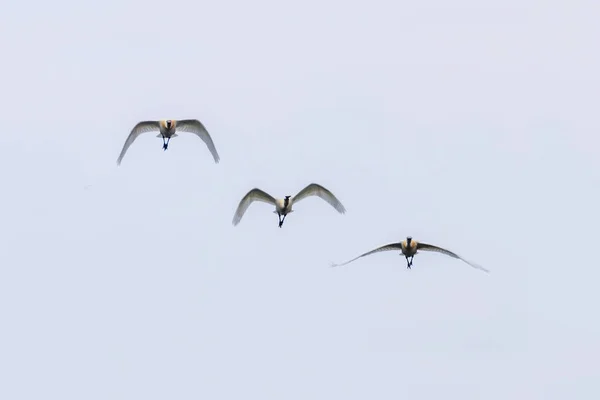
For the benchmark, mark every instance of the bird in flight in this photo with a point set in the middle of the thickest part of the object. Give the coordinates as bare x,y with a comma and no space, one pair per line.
167,129
409,248
284,206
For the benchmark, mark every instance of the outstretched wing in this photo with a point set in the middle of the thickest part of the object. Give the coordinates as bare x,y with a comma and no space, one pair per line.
430,247
253,195
317,190
387,247
194,126
141,127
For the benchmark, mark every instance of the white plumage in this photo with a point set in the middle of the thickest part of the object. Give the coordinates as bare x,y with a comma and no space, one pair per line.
168,129
284,206
409,248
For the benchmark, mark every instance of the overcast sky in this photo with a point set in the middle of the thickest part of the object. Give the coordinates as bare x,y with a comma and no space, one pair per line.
467,124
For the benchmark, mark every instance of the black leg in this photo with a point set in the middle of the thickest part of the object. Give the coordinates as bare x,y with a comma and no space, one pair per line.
408,263
280,221
166,144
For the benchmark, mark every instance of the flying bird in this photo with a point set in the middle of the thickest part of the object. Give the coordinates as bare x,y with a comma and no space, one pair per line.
284,206
168,129
409,248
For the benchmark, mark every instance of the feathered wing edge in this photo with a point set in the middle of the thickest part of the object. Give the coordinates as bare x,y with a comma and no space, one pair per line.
138,129
253,195
315,189
430,247
387,247
196,127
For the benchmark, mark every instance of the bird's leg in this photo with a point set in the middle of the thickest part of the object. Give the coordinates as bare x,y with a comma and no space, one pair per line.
166,144
408,263
282,219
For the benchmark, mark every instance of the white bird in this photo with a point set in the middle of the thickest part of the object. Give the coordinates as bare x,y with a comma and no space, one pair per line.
167,129
284,206
409,248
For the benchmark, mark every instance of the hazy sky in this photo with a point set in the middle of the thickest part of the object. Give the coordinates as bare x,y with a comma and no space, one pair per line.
467,124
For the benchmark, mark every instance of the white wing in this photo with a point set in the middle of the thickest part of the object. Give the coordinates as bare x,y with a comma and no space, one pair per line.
194,126
430,247
253,195
387,247
317,190
141,127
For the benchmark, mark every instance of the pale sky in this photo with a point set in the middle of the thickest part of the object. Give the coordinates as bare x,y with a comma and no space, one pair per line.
471,125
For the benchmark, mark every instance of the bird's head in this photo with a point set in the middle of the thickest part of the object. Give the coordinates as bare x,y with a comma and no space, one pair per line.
169,123
408,240
287,197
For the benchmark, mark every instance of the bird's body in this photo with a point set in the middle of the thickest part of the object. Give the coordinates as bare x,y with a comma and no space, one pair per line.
283,206
168,129
409,249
